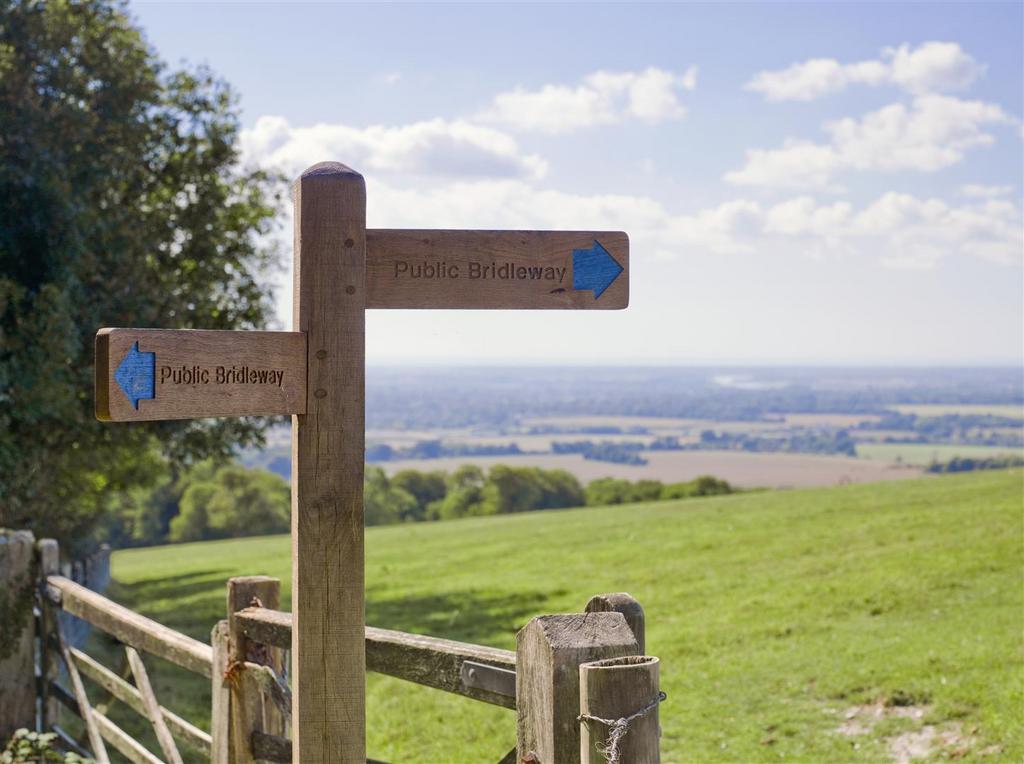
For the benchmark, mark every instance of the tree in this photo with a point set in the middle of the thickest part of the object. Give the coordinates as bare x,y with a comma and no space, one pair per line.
383,502
235,502
425,487
464,495
122,203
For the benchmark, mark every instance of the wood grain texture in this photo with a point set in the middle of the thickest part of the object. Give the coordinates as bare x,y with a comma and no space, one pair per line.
118,688
198,373
434,662
48,556
128,626
251,710
85,709
549,651
152,708
622,602
617,689
328,654
18,579
220,693
488,269
430,661
125,744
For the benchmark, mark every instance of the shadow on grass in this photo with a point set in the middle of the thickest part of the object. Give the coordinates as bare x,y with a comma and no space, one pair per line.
465,616
190,603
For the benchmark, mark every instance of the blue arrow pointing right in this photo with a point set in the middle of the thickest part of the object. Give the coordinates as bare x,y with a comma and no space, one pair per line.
136,376
594,269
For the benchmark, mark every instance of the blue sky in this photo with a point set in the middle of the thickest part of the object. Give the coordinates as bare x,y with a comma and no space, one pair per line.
801,183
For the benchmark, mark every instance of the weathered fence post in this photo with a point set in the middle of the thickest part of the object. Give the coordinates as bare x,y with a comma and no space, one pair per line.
329,622
220,707
252,709
619,700
549,651
621,602
17,662
48,557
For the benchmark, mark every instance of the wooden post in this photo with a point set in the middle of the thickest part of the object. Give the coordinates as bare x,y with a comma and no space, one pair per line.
220,709
153,710
549,651
621,602
328,652
251,710
17,661
618,689
48,555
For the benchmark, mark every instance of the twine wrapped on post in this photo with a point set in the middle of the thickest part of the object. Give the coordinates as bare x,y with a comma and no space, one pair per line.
619,700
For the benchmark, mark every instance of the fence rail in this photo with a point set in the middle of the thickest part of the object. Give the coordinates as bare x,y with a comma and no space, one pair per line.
251,702
439,663
128,626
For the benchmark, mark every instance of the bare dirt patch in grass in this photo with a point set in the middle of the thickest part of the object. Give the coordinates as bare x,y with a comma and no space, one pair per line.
913,744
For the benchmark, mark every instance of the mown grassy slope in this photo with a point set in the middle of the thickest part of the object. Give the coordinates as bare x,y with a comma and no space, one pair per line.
771,612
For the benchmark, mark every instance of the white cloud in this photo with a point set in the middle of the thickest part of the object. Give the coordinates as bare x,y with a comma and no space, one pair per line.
933,133
898,230
978,191
931,67
436,147
895,230
601,98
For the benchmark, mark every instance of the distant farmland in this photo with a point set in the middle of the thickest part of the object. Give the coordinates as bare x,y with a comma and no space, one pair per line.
925,453
962,409
741,468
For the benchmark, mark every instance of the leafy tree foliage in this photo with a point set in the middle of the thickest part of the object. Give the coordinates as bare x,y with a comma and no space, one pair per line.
232,502
122,203
425,487
384,502
607,491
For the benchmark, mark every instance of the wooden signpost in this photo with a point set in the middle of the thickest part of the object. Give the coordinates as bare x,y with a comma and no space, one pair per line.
317,374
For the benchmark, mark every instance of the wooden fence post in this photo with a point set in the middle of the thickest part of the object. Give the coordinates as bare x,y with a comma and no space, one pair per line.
621,602
549,651
17,662
48,556
251,709
328,631
220,707
623,690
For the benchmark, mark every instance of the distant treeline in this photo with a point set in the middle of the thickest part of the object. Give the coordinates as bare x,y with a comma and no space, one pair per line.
963,429
971,463
469,491
210,502
806,441
437,449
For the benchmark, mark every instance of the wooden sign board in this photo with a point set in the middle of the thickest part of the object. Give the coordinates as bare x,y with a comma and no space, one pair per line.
146,374
582,270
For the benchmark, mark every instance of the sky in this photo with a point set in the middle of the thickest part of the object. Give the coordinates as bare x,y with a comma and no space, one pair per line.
801,183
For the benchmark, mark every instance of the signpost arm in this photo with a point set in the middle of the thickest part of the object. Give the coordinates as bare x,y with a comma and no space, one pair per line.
328,653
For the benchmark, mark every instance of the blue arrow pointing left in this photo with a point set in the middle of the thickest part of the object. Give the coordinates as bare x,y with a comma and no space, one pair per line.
136,376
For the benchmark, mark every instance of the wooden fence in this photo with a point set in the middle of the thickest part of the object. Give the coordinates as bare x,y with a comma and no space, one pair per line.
579,683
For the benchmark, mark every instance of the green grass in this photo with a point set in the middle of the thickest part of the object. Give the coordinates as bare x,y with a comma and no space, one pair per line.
925,453
771,613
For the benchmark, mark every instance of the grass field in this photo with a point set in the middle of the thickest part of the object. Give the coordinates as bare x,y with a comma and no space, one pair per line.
841,625
963,409
925,453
